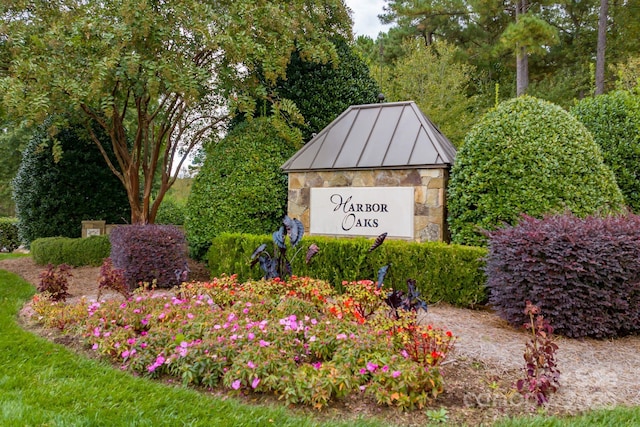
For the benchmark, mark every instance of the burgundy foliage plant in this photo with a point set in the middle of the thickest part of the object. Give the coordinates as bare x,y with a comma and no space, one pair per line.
150,253
55,281
583,273
541,377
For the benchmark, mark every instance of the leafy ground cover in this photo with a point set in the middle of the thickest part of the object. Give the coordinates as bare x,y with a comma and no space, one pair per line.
297,339
486,352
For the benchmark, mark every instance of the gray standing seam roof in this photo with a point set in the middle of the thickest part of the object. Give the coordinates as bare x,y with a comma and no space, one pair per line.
388,135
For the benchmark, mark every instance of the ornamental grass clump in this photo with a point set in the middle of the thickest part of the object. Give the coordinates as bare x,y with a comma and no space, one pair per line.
270,336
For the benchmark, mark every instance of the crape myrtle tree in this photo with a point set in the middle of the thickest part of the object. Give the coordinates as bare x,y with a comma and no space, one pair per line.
155,75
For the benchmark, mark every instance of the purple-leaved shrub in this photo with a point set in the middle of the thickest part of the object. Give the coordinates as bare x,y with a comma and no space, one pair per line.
583,273
150,253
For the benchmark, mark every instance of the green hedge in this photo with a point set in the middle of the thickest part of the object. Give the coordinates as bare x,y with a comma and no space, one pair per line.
449,273
75,252
9,234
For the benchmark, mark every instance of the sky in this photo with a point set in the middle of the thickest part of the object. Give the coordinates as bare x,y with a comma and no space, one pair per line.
365,17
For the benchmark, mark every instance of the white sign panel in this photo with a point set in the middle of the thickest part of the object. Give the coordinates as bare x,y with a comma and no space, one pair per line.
362,211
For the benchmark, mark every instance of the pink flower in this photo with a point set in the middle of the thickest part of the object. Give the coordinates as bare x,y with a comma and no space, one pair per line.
385,368
131,341
190,316
341,336
161,316
317,365
95,347
363,371
404,354
251,365
255,382
245,310
251,336
264,343
96,332
396,374
123,305
371,367
235,385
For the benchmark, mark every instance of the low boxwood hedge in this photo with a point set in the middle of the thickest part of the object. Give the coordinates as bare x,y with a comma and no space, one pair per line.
75,252
449,273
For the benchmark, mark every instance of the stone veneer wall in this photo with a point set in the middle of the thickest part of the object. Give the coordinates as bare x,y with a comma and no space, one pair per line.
429,196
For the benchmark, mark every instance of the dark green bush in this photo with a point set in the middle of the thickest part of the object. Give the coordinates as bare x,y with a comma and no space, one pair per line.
449,273
323,91
526,156
150,253
240,188
614,121
9,240
75,252
53,198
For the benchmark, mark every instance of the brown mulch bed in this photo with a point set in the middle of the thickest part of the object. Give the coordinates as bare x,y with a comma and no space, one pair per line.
479,374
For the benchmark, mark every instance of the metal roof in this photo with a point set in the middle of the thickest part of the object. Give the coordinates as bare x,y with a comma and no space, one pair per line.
373,136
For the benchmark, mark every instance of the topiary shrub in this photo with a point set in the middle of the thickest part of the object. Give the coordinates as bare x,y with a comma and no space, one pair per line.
240,188
583,274
526,156
53,198
9,240
171,213
614,121
153,254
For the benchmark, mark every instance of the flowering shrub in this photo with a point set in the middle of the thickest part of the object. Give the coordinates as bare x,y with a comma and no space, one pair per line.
272,336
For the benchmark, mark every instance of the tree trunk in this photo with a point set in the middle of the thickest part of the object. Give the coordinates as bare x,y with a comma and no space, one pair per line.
602,45
522,62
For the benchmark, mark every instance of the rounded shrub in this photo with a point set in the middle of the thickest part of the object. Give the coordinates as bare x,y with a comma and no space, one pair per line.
583,273
171,212
240,188
614,121
53,198
149,253
526,156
